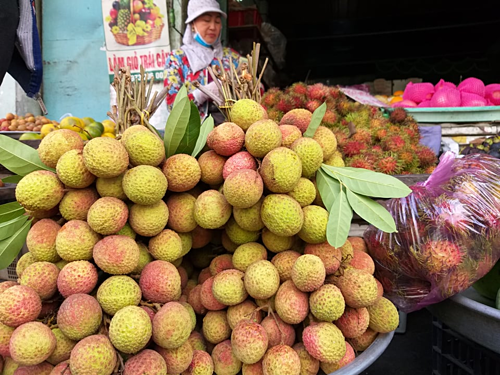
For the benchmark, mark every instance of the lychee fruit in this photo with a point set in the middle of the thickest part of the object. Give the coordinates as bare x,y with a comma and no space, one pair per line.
76,241
147,361
282,214
212,166
130,329
353,322
245,310
170,328
207,298
289,134
31,344
304,192
278,332
248,253
219,264
216,327
77,277
281,170
324,341
358,287
18,305
93,355
226,139
202,364
63,348
246,112
262,279
249,341
240,160
284,262
41,240
228,287
276,243
292,305
314,227
310,154
249,218
384,316
361,343
327,303
281,359
308,273
308,364
166,246
116,255
42,278
211,210
298,117
243,188
79,316
160,282
363,261
262,137
182,171
225,362
107,215
330,255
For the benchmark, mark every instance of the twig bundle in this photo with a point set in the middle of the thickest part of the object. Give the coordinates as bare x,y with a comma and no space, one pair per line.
135,102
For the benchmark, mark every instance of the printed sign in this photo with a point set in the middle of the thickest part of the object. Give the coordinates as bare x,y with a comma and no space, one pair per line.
136,33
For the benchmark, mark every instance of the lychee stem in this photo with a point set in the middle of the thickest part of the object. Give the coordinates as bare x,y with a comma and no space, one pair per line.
155,306
65,369
282,342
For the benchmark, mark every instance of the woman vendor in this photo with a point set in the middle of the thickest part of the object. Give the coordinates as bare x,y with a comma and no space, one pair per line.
201,48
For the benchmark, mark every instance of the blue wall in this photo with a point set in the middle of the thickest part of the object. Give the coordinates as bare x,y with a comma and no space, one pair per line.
75,70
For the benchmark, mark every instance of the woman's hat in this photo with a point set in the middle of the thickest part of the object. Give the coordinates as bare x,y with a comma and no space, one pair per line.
198,7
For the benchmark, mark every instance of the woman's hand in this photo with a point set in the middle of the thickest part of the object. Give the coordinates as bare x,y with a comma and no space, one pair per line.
210,91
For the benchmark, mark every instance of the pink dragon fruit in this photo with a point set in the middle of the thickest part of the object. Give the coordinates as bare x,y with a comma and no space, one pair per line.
472,86
446,97
442,84
404,104
418,92
425,104
472,100
493,93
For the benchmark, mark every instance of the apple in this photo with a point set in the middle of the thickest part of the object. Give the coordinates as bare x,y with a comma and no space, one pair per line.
137,17
152,16
113,13
138,5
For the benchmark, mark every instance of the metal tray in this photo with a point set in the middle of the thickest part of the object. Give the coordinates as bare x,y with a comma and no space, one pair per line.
368,357
454,114
471,315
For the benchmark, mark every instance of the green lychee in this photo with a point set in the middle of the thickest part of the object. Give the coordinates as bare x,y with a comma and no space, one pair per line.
170,326
182,171
310,154
63,347
304,192
72,172
308,273
107,215
146,362
249,218
76,240
229,288
118,292
327,303
39,190
249,341
243,188
42,278
76,203
384,316
324,341
130,329
276,243
166,246
326,140
144,185
262,137
93,355
105,157
148,221
216,327
181,212
315,221
211,210
56,144
281,170
111,187
225,361
41,240
282,214
281,359
262,279
238,235
144,148
246,112
31,343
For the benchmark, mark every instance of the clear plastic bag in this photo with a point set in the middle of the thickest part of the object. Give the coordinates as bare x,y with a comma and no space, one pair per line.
448,233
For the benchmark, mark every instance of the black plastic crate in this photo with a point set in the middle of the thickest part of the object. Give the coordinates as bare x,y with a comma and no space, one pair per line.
453,354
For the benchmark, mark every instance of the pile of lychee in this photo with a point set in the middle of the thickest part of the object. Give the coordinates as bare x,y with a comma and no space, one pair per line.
217,263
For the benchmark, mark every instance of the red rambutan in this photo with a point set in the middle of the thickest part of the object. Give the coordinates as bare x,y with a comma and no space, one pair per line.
313,105
271,97
377,123
426,156
429,170
412,134
342,137
380,133
330,118
394,129
388,165
299,100
370,157
335,93
359,162
352,148
317,91
408,158
439,256
275,114
285,104
377,149
344,107
398,115
393,143
362,135
298,88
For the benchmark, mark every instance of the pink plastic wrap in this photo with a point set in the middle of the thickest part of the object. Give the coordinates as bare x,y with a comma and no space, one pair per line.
442,84
418,92
473,86
493,93
448,233
404,104
446,97
472,100
425,104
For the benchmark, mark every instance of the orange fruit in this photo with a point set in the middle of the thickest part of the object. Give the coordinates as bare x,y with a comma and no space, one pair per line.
398,93
396,99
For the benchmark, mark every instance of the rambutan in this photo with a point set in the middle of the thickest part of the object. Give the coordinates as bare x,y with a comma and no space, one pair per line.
330,118
426,156
299,100
370,157
335,93
388,165
398,115
360,119
377,150
393,128
298,88
393,143
344,107
285,104
363,136
313,105
359,161
429,170
439,256
317,91
275,114
380,133
412,134
457,281
271,97
377,123
352,148
408,158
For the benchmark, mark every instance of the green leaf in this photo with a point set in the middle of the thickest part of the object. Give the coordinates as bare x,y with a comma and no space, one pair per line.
339,221
206,128
181,94
372,184
316,119
372,212
176,126
328,187
10,247
19,158
12,179
188,142
10,227
10,211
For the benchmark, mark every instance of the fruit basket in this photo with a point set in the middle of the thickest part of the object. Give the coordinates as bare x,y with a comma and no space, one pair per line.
136,22
368,357
472,316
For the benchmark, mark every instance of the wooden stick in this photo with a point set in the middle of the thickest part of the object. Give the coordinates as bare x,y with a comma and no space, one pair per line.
260,77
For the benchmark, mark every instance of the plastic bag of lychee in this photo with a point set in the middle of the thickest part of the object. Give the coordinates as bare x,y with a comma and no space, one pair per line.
448,233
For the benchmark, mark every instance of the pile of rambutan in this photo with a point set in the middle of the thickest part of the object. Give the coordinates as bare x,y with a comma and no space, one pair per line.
365,136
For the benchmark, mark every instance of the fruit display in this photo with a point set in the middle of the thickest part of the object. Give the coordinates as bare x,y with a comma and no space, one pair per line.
471,92
142,257
135,22
87,128
490,146
448,234
365,137
28,122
